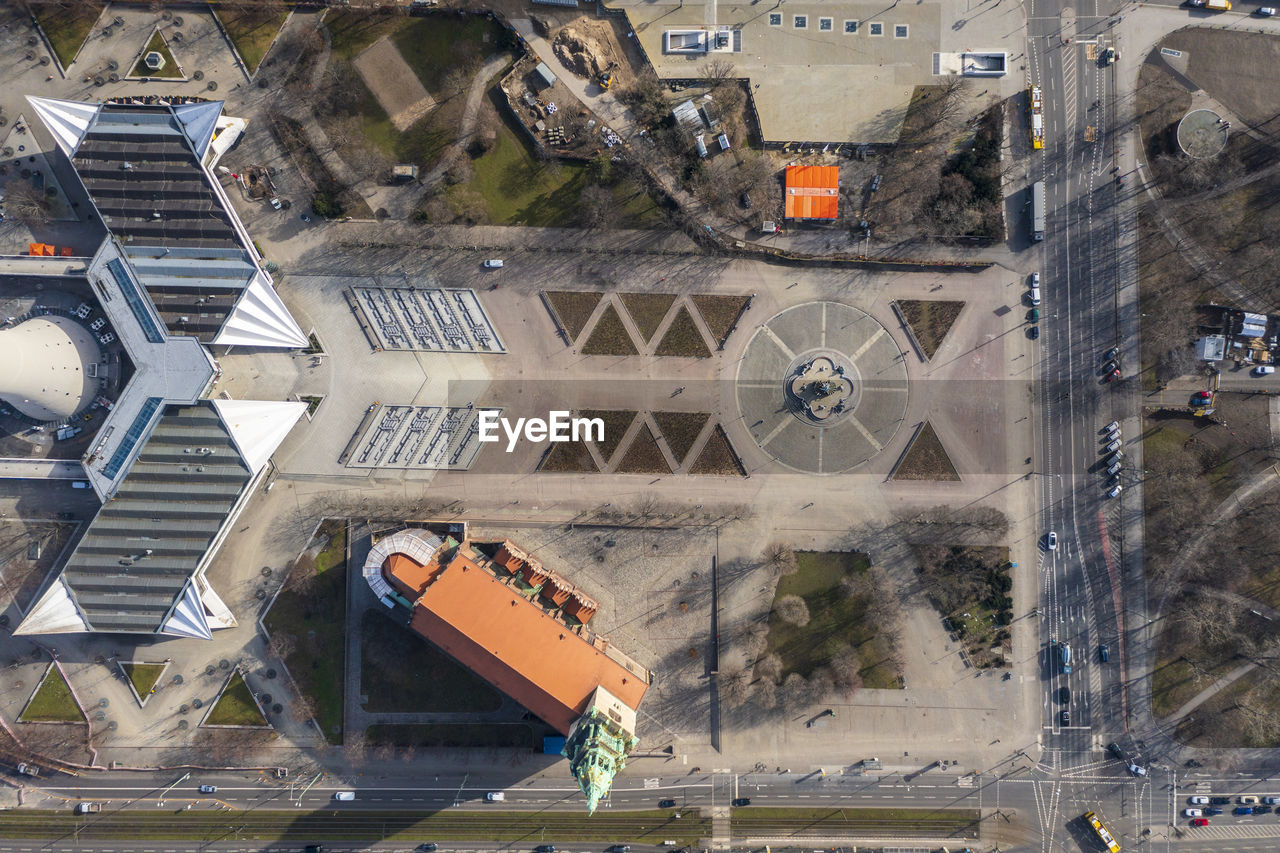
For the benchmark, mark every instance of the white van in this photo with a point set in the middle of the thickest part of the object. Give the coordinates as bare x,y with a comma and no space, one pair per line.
493,264
345,796
1035,296
495,796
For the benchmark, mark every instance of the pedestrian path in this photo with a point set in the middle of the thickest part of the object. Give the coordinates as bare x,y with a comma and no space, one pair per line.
40,469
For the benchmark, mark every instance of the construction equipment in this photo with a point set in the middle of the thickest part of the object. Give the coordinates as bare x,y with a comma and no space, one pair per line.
606,77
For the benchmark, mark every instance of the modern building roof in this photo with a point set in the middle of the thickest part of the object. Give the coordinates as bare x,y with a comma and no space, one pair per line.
812,192
145,168
48,365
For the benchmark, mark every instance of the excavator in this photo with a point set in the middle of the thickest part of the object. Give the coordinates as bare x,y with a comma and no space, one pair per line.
606,77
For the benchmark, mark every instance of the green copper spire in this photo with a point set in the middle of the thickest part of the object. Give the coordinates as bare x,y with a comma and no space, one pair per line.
597,749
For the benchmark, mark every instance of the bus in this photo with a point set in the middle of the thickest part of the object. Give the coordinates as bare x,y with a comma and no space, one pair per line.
1107,840
1037,119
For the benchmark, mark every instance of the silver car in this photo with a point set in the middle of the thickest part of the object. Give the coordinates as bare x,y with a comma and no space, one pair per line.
1115,492
1113,446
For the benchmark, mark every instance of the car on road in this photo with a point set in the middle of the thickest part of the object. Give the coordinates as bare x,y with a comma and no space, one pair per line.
1220,801
1114,426
495,797
28,769
1113,375
88,808
1115,469
545,848
1192,813
1033,316
493,264
208,789
1111,353
1066,718
1262,809
1051,541
428,848
1104,655
666,804
620,848
1199,801
1248,800
1114,749
1064,695
1213,812
1201,398
1035,279
1113,446
1200,821
1271,801
1115,491
745,801
1034,295
1137,770
1034,333
1263,370
345,796
1239,810
1266,11
315,848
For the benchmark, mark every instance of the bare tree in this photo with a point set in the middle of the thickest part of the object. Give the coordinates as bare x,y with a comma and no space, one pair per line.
735,687
846,669
27,205
597,207
769,667
717,70
792,609
779,557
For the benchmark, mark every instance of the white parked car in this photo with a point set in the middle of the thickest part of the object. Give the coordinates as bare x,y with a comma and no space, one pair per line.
1199,801
1192,813
493,264
1114,426
1266,11
1115,493
495,796
1263,370
1035,296
275,203
1052,541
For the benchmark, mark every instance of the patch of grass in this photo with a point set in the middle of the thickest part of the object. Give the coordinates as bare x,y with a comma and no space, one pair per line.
520,189
841,616
493,735
236,707
609,337
435,45
720,313
52,702
401,671
681,430
930,321
925,459
683,338
251,29
157,44
143,676
313,403
334,552
647,310
718,457
569,457
755,821
306,622
573,308
67,26
644,456
616,423
971,588
404,828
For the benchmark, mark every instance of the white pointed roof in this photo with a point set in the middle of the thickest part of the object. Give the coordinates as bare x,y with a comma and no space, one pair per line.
259,319
187,619
258,426
198,121
54,613
66,120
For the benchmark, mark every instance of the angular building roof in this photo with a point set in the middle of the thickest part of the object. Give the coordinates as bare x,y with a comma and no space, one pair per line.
812,192
134,570
143,167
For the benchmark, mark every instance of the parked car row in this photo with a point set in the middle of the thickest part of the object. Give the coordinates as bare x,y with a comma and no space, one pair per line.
1203,808
1111,444
1033,316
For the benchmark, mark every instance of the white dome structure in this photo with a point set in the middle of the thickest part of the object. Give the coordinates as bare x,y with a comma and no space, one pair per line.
47,375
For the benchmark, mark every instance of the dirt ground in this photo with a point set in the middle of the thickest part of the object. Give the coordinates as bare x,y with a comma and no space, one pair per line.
587,45
391,80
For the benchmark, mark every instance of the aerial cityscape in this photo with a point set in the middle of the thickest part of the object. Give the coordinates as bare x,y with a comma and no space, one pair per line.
537,425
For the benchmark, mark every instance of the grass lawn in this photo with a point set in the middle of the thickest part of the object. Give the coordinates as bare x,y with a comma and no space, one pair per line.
609,337
720,313
252,29
475,736
647,310
926,459
235,707
836,620
405,828
718,457
573,308
683,338
681,430
616,422
403,672
756,821
170,70
643,456
930,321
568,457
53,702
312,610
67,27
143,676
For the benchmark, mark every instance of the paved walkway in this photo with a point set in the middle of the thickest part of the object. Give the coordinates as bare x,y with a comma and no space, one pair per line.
40,469
1209,692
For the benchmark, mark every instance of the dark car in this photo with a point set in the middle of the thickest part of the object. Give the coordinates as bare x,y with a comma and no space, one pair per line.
741,801
1220,801
666,804
1262,809
1242,810
428,848
1213,812
1064,695
1034,333
545,848
1104,653
315,848
1114,749
1066,718
1113,375
745,201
